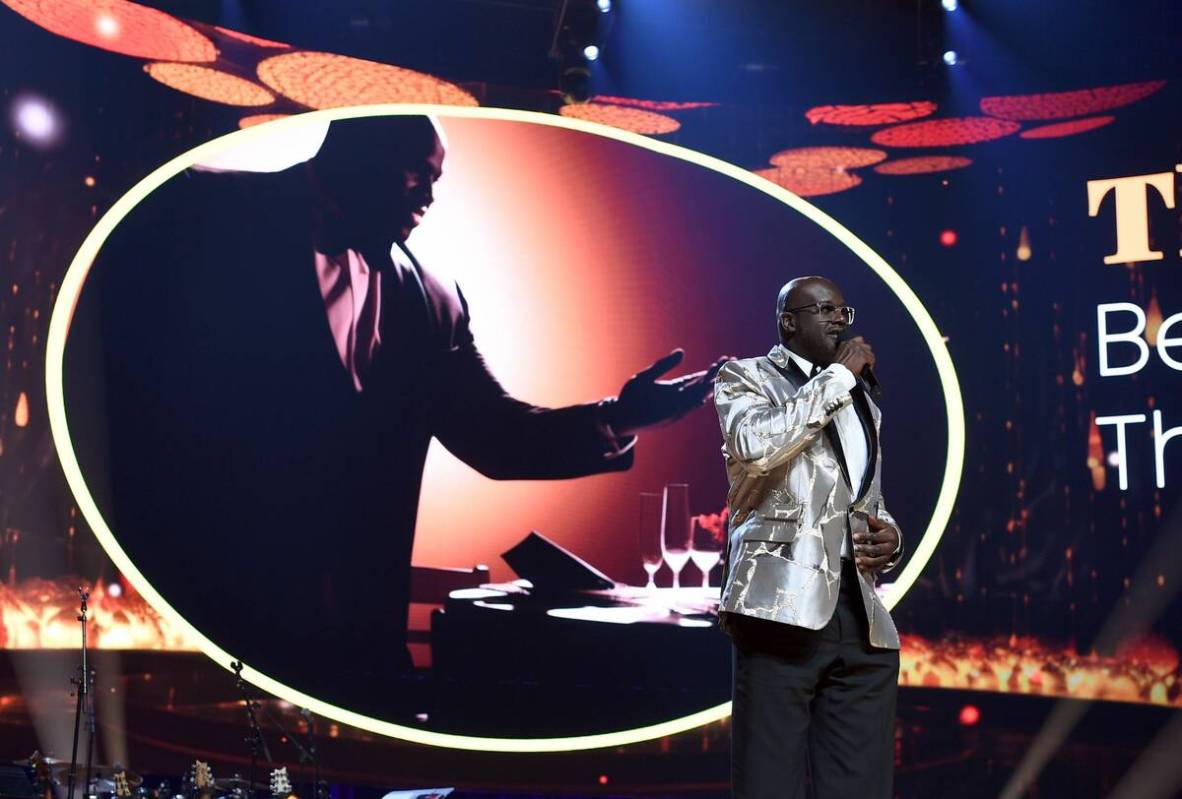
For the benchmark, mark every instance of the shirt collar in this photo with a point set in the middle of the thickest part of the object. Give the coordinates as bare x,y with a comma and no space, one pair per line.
781,355
805,365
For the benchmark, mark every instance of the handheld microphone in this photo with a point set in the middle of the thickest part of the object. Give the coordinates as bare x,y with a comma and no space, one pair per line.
873,387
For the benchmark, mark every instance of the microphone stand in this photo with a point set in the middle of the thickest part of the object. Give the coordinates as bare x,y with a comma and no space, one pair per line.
84,703
306,751
258,744
90,730
318,791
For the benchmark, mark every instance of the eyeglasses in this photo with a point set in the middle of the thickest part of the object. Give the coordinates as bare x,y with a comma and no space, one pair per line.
827,309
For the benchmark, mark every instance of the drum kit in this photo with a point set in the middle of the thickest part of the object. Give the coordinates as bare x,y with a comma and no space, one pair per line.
49,778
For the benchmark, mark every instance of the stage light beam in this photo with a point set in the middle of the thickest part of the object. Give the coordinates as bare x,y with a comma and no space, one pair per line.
36,120
106,25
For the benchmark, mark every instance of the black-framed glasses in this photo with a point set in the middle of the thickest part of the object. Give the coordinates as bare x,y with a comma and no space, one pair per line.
828,309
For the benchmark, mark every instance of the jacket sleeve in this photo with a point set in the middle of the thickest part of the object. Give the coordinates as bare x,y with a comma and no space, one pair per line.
763,435
885,515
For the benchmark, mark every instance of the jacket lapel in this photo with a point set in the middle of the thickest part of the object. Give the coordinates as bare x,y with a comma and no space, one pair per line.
796,376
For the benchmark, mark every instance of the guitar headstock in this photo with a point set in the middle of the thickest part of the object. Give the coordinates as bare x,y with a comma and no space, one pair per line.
201,778
280,783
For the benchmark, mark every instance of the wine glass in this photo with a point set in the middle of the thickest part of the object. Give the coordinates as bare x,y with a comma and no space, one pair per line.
675,529
650,536
705,550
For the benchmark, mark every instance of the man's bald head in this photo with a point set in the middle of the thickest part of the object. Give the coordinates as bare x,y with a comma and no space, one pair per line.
793,293
801,327
376,176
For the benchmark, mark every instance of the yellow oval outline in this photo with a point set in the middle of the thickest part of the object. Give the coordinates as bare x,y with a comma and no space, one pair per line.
63,311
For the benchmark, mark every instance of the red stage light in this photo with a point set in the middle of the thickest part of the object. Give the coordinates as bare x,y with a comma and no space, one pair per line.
633,119
328,80
969,715
603,779
119,26
948,237
945,132
210,84
827,157
1060,105
923,164
1070,128
810,181
872,114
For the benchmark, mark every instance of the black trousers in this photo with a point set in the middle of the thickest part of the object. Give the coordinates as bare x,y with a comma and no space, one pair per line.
815,702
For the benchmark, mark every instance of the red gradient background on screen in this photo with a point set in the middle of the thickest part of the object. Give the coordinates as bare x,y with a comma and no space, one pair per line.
564,275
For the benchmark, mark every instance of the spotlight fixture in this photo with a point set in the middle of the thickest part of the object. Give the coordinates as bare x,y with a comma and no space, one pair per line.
950,5
951,58
575,84
579,27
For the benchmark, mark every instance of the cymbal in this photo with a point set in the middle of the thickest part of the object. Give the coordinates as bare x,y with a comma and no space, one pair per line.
29,762
100,773
232,783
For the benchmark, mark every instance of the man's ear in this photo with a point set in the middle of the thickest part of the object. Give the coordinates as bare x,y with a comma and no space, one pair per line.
787,323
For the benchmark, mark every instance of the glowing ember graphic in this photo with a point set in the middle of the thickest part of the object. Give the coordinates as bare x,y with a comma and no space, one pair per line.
1153,319
651,105
210,84
258,119
945,132
1148,673
1096,454
327,80
872,114
246,37
922,165
119,26
40,614
633,119
1060,105
1070,128
827,157
1023,252
810,181
20,417
1077,373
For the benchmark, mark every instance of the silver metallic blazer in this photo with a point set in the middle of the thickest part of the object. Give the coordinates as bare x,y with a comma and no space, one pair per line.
790,500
